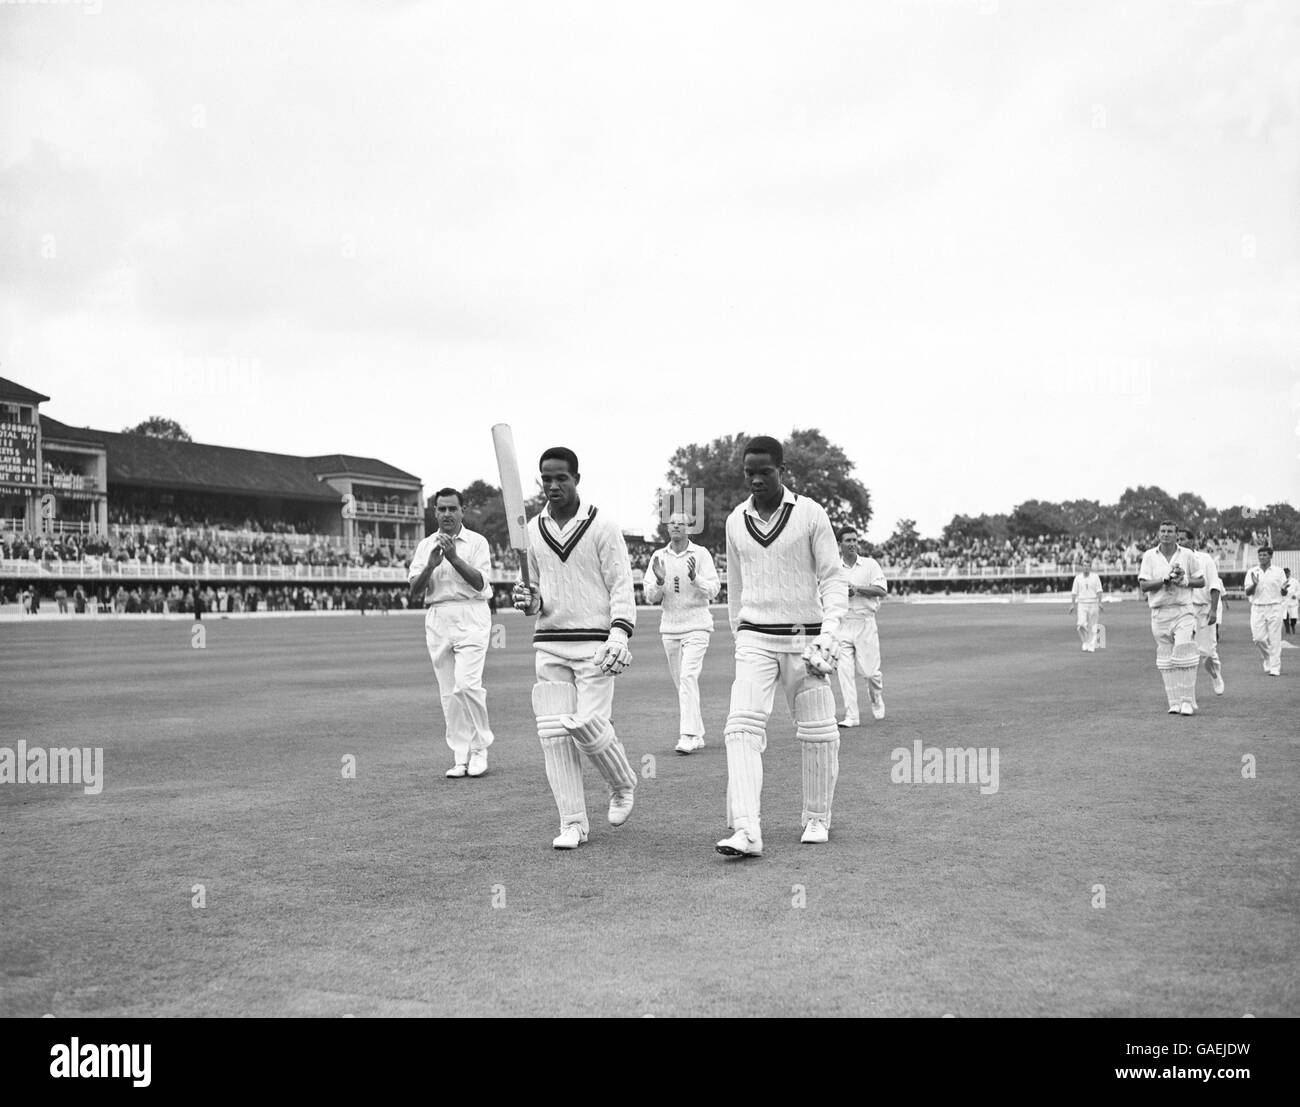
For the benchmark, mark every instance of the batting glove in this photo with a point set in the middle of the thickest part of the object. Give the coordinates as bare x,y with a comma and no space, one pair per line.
613,656
821,657
526,599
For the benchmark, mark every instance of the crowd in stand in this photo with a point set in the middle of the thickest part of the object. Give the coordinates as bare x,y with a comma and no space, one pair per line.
158,545
1063,555
159,599
184,541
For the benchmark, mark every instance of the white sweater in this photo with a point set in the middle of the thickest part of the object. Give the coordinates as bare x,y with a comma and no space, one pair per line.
585,579
785,581
685,601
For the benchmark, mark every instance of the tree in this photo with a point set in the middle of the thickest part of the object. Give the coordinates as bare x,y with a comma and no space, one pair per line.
159,426
975,528
821,470
905,534
1192,512
1283,521
714,472
1037,517
485,512
1142,509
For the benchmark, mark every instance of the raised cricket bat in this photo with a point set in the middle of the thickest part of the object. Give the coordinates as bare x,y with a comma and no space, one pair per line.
512,492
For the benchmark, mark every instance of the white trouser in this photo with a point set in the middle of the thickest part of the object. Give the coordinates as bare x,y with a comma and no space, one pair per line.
1266,631
1088,614
685,660
457,635
859,653
1207,638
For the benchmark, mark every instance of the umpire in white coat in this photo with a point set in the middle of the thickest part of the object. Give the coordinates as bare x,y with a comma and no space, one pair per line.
449,574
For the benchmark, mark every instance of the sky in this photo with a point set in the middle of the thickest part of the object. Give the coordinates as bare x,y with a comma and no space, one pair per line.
997,250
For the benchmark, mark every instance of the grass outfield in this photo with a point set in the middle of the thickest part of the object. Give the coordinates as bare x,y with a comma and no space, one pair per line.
375,896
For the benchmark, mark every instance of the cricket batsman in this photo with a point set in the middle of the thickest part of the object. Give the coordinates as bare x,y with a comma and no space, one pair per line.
1167,577
785,587
581,593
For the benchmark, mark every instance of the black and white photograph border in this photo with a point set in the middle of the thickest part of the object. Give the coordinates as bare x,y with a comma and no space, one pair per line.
430,433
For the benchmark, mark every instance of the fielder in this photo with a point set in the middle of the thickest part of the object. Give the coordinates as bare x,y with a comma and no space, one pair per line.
859,640
1264,585
581,593
449,575
785,584
1206,602
1167,576
1085,595
683,578
1291,609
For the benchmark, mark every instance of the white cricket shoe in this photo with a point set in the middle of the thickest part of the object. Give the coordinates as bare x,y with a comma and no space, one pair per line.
685,744
815,833
570,837
1173,709
457,770
477,762
1218,685
1187,708
620,806
741,844
878,707
849,723
1274,672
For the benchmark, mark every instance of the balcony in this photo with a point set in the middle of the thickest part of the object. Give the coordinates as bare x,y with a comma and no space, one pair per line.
374,509
71,482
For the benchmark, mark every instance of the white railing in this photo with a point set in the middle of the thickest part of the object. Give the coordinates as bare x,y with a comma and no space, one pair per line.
1029,570
72,482
375,507
104,569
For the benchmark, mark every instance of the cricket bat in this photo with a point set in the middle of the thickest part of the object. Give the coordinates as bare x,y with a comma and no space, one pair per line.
512,492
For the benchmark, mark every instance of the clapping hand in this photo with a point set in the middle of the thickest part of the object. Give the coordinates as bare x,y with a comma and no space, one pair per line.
657,567
690,567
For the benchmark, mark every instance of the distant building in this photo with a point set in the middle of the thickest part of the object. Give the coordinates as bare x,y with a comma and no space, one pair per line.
56,478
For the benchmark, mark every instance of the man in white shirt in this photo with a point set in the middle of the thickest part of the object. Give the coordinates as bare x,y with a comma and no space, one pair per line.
581,593
449,576
683,579
1166,577
1206,604
1085,596
858,636
785,588
1264,585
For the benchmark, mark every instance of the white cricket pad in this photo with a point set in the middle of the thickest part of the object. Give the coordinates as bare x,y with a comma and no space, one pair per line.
564,774
819,740
596,738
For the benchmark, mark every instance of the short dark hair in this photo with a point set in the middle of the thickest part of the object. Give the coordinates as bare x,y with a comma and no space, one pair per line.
1266,549
765,444
839,534
560,453
460,500
1170,523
